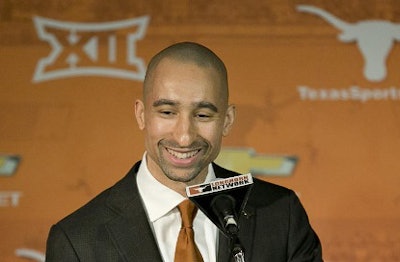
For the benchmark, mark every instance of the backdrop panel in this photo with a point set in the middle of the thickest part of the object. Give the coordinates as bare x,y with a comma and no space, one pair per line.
315,84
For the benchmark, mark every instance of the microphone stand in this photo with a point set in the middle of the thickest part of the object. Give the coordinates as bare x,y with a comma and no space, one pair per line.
224,207
237,249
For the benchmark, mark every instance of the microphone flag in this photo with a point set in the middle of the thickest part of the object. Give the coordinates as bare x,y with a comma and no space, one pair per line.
238,187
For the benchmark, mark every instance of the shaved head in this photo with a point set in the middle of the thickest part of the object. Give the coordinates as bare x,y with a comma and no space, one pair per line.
189,52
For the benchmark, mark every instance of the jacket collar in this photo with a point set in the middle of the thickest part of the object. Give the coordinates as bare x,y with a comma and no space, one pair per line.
131,231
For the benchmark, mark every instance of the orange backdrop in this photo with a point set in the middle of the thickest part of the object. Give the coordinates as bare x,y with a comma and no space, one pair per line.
77,135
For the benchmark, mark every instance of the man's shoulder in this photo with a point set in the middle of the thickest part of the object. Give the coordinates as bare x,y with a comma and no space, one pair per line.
262,191
103,207
260,184
92,209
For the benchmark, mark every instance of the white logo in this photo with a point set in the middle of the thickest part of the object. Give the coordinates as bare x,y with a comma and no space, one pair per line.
90,49
10,198
30,254
374,39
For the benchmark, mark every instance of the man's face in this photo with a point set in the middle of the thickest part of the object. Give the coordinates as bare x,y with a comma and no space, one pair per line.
184,116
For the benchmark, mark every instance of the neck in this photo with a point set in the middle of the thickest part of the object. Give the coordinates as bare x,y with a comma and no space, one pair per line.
180,187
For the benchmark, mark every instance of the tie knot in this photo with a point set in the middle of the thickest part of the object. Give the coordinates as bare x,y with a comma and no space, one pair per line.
188,212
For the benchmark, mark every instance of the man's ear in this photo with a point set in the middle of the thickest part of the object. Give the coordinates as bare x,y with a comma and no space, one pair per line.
139,113
229,119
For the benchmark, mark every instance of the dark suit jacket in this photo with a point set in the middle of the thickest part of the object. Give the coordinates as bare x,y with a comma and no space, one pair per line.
114,227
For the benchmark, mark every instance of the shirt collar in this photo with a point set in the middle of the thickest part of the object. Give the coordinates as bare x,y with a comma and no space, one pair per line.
159,199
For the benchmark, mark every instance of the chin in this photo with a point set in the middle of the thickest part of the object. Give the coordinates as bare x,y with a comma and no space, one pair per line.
180,176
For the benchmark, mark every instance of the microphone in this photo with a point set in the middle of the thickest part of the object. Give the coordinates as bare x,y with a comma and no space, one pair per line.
222,200
224,208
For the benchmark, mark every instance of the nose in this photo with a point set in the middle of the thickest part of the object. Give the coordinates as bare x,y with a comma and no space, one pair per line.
185,130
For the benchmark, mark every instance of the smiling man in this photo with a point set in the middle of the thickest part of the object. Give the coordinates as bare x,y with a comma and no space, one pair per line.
184,114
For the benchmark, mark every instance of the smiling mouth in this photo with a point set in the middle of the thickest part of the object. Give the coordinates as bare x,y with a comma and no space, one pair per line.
183,155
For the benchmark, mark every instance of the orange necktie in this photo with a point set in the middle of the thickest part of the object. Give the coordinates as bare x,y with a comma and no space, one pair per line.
186,249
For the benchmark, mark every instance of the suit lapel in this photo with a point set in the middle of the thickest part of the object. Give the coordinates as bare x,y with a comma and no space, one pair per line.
130,229
224,251
247,223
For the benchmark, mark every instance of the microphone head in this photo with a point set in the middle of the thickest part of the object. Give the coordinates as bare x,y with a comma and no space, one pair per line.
224,208
232,192
223,204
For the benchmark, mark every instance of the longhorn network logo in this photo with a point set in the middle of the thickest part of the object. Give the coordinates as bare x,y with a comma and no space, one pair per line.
374,38
90,49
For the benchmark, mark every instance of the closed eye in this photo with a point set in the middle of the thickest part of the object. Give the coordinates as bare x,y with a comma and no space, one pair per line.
167,113
205,116
206,111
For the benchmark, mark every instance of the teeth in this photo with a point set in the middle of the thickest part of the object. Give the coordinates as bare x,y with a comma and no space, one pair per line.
182,155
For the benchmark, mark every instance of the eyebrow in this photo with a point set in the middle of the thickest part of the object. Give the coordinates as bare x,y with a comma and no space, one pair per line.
161,102
202,104
208,105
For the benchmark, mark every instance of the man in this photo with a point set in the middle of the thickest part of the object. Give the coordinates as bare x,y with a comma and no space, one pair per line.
184,115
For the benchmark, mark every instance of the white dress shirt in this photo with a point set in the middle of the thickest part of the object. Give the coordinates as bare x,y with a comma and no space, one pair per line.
161,206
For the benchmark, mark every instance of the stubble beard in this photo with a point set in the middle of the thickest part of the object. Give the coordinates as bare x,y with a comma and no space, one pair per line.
183,175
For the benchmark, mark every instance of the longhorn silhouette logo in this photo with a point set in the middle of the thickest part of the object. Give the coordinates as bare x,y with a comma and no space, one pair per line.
374,38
